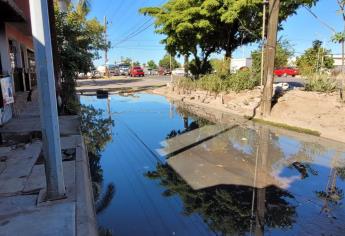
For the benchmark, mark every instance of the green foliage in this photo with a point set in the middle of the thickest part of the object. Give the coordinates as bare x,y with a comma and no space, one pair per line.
165,62
127,61
78,41
315,59
284,51
221,67
200,28
96,131
95,128
242,80
227,209
320,83
152,65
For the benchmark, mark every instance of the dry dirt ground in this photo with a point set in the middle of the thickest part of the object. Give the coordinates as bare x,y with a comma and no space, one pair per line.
310,110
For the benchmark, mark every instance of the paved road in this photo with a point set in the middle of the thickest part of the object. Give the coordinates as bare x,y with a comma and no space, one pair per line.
292,81
121,82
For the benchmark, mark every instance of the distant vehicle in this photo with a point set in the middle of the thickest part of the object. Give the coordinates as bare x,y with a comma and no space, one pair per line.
94,74
179,72
286,71
167,72
136,71
112,69
124,69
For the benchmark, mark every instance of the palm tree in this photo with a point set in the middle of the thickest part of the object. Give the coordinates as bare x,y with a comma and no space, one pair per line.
84,5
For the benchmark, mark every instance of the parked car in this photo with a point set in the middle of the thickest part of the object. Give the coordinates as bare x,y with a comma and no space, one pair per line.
124,69
136,71
285,71
112,69
179,72
94,74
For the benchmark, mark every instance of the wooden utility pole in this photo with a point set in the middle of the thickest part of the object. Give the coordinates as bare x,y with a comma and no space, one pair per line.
264,5
106,49
273,18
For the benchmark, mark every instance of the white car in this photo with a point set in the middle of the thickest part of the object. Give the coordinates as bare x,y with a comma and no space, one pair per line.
178,72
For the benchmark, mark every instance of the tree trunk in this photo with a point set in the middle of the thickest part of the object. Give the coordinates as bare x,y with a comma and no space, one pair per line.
266,103
56,55
186,65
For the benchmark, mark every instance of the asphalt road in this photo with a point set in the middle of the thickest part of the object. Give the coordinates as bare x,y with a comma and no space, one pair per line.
292,81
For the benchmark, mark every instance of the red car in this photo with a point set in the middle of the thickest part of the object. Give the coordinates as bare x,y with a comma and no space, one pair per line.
136,71
285,71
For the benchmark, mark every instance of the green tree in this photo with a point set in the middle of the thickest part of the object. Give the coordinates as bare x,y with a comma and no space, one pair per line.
78,40
136,63
284,51
200,28
127,61
314,59
165,62
152,65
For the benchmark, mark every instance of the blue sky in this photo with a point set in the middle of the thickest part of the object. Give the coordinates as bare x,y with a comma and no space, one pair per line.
123,17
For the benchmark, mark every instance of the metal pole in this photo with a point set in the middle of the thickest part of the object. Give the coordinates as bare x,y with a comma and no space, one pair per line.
47,99
263,41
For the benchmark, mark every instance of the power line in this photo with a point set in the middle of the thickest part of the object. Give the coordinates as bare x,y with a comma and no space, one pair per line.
320,20
132,35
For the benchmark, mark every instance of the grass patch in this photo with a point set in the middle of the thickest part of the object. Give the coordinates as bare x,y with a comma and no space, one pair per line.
320,83
288,127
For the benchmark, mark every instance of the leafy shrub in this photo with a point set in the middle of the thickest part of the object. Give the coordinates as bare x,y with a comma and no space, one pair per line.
242,80
320,83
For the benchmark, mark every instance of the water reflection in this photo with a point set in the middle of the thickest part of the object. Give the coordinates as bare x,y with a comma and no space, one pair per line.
97,133
214,178
243,180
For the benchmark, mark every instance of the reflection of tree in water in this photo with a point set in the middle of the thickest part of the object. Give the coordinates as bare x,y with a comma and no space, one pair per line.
195,124
227,209
332,195
97,133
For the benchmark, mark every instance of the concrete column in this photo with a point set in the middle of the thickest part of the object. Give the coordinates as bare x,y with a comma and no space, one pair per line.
47,99
4,50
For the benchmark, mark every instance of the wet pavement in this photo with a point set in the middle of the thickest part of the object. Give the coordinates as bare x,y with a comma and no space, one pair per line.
178,174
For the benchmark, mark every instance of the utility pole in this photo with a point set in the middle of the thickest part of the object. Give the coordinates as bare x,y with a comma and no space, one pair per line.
266,104
171,77
106,49
263,41
47,99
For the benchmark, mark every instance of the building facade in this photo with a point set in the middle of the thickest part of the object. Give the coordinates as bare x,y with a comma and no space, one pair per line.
17,62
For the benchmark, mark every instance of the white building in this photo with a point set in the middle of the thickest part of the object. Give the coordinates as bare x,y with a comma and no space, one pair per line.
238,63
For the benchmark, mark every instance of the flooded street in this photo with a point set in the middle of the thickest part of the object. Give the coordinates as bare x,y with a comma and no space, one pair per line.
175,173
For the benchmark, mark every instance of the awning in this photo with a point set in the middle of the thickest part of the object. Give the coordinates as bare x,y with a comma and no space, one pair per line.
10,12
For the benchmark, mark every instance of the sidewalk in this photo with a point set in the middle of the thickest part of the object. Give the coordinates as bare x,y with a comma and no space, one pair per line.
22,180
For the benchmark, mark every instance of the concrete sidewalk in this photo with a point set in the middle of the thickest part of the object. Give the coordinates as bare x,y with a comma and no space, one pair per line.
22,181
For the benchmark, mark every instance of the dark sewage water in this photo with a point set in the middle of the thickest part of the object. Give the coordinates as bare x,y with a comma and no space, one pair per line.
161,170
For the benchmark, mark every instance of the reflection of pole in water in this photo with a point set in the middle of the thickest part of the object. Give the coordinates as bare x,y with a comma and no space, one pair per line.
185,122
259,173
331,188
171,111
108,107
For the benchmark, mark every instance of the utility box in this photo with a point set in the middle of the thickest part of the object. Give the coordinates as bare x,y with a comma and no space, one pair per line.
240,63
